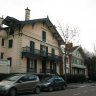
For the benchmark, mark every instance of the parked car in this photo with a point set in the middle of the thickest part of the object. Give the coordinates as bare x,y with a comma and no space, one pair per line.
43,76
52,83
20,83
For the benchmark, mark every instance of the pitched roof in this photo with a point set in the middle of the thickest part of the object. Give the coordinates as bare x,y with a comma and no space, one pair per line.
73,48
12,22
76,48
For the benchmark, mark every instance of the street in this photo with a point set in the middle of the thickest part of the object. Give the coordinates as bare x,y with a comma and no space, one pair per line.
85,89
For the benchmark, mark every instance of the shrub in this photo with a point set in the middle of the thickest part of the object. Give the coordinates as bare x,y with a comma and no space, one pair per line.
74,78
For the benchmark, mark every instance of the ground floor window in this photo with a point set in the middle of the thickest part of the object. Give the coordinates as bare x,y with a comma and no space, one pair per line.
31,65
10,60
78,71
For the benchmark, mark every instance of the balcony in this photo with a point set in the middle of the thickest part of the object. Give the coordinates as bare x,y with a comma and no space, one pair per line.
52,56
29,52
79,66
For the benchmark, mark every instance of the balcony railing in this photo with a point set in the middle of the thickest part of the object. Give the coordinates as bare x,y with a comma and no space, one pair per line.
29,52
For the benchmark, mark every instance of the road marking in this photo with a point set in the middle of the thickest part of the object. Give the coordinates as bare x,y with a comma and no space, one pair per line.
77,94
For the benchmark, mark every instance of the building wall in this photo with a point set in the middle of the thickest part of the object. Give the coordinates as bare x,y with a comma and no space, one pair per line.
3,49
29,33
35,34
77,63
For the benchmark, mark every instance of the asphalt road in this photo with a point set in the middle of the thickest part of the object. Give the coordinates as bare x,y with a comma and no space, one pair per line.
85,89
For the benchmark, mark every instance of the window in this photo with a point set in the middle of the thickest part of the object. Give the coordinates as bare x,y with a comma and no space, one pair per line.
10,43
43,36
43,50
53,51
2,42
10,59
32,46
32,65
2,54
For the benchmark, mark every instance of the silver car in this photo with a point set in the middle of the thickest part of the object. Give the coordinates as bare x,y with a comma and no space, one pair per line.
20,83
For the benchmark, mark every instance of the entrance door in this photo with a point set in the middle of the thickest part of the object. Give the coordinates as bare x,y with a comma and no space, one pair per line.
43,66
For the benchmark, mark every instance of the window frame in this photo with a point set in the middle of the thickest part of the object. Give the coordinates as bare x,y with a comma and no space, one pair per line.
10,43
2,55
3,40
44,36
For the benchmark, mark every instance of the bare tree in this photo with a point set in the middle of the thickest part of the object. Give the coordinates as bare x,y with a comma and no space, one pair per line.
68,34
94,48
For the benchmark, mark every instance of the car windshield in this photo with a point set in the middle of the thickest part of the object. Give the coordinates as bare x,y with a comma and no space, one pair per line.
48,79
12,78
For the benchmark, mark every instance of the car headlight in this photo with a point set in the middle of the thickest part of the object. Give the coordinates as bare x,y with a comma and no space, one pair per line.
46,84
5,87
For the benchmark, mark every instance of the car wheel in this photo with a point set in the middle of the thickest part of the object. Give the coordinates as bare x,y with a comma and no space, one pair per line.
12,92
50,88
37,90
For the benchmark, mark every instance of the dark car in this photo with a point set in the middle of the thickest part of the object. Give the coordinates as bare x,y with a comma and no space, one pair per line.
53,83
43,76
20,83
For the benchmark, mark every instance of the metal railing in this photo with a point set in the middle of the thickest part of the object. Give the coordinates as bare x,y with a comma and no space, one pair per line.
30,52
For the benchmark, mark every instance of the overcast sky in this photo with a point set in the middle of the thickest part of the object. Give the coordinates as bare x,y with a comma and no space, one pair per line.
75,13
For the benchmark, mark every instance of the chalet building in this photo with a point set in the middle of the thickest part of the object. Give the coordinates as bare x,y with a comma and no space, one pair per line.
30,45
75,60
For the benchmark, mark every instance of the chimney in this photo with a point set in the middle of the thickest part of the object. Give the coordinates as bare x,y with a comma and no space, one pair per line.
69,46
27,14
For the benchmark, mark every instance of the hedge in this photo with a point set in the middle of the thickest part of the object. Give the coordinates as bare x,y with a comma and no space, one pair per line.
74,78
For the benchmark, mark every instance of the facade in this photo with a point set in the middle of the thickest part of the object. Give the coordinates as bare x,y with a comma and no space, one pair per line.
75,60
31,45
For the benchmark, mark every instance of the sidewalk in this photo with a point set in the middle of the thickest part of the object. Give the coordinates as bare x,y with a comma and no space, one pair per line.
77,85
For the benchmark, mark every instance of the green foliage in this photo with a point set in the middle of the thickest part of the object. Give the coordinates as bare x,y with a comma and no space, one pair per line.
91,66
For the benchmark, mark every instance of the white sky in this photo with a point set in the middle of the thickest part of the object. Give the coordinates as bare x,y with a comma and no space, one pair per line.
77,13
